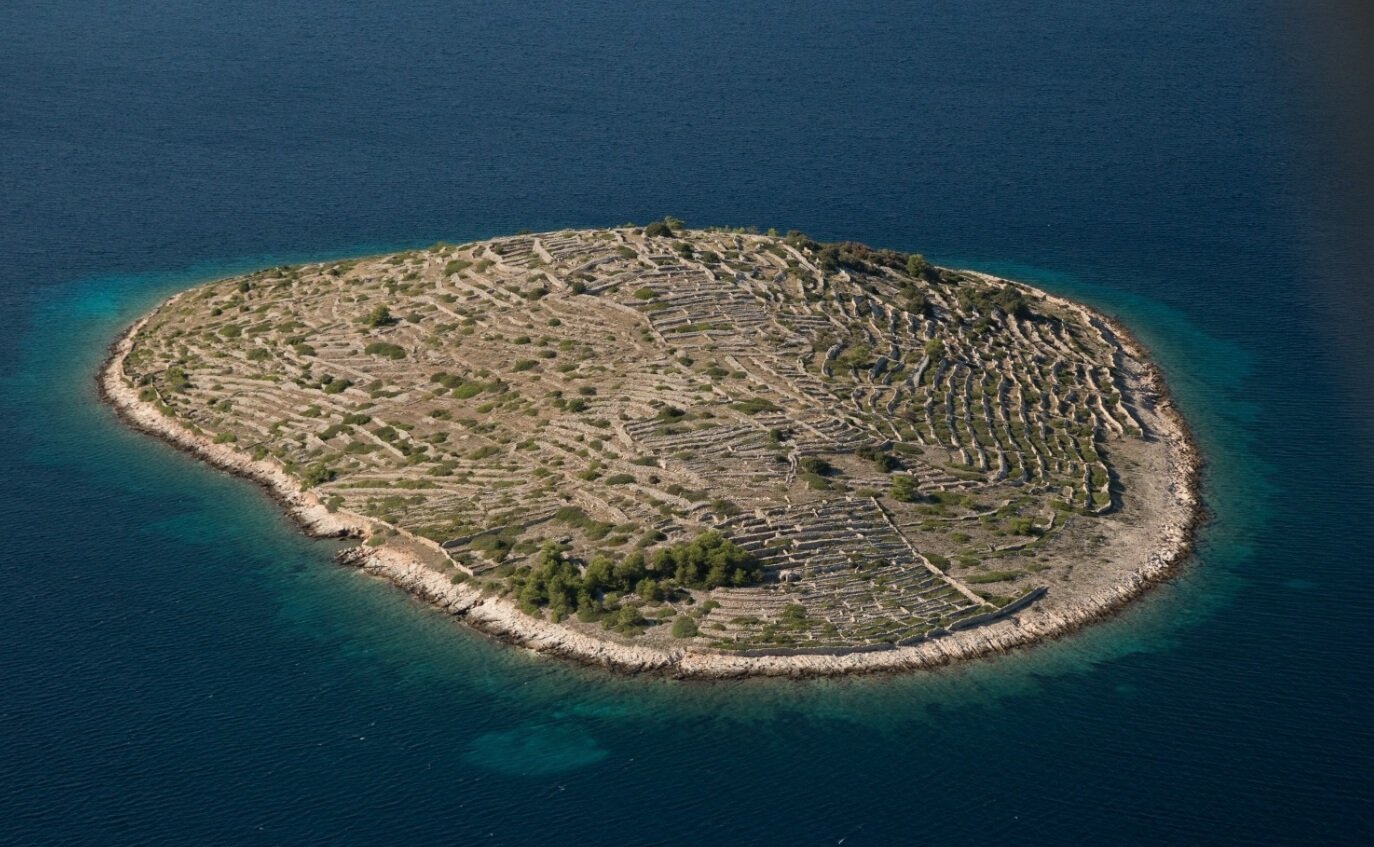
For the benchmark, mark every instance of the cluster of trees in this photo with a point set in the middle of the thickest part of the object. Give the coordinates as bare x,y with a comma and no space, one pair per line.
659,229
860,257
863,257
708,561
666,228
914,298
1007,298
316,474
593,590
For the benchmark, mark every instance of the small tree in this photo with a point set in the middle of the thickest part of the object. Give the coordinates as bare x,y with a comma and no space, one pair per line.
628,616
905,489
379,316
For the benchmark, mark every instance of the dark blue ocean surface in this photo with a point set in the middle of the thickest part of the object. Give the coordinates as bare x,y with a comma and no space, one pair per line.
179,666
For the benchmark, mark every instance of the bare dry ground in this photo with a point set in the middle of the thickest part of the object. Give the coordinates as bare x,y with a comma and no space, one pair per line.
705,441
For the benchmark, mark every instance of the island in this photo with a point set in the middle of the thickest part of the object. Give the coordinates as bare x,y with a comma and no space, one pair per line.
699,452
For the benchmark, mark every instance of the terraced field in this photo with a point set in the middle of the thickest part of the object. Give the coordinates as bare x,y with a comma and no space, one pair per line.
718,439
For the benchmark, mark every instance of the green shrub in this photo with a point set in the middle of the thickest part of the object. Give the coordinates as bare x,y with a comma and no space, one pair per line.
755,405
724,508
883,460
317,474
382,348
855,357
177,380
379,316
905,489
572,515
684,627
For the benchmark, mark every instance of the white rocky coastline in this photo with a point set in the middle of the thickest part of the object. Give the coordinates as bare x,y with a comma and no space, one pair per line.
1054,616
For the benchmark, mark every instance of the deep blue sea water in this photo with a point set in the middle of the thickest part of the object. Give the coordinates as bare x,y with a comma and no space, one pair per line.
179,666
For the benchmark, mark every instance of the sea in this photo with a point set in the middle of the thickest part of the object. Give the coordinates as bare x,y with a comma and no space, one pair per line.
180,666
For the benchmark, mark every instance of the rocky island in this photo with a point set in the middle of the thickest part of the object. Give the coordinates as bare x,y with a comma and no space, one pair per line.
707,453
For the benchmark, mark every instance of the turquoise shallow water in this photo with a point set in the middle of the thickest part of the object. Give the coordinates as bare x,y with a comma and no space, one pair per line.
180,665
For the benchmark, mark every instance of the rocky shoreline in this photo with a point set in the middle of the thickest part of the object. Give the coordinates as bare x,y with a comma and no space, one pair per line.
403,564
